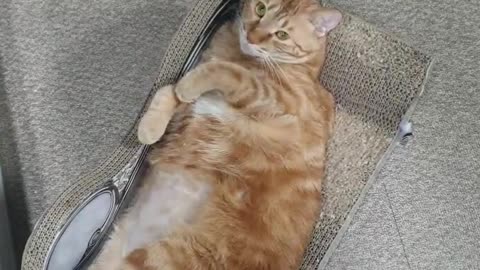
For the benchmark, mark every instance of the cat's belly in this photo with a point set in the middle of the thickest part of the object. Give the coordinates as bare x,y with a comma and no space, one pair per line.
168,200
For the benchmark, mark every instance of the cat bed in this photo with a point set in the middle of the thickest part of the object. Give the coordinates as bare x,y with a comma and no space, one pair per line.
375,79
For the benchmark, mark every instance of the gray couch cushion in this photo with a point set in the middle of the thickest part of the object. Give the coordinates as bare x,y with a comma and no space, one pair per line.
73,77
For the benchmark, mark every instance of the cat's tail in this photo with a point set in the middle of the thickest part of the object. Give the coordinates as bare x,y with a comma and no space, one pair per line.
155,120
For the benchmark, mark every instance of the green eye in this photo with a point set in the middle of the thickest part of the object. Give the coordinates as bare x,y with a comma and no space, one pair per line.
261,9
282,35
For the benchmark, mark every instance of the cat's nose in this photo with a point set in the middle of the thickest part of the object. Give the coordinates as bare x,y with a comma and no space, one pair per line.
255,37
251,38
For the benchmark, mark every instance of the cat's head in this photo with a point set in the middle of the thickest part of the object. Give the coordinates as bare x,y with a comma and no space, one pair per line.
288,31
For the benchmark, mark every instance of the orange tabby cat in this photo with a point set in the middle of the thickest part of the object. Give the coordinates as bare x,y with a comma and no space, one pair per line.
234,183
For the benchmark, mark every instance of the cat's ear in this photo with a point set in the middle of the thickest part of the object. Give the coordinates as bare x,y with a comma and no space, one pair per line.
325,19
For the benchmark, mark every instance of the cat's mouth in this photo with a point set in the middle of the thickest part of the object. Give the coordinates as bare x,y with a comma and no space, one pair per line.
246,47
250,49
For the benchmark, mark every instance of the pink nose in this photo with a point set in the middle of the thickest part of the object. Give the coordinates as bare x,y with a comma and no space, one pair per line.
255,37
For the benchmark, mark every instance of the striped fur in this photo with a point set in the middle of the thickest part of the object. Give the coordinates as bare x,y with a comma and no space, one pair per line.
250,155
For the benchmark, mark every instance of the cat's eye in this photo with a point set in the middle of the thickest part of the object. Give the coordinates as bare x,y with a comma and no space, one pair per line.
282,35
260,9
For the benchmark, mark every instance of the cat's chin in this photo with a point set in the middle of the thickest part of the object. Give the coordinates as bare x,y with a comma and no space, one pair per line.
245,47
248,49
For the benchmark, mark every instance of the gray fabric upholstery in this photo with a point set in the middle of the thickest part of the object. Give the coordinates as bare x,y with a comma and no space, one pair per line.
74,76
423,212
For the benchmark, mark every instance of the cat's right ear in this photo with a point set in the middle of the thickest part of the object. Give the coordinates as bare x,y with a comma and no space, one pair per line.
325,20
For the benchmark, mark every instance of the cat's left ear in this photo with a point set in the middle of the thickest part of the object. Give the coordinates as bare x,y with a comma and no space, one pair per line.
325,19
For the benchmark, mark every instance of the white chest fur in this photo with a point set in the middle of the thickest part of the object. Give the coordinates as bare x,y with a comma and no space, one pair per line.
212,105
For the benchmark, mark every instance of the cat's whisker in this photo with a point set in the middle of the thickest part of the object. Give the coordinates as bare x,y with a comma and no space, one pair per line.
282,58
264,64
275,68
280,69
265,61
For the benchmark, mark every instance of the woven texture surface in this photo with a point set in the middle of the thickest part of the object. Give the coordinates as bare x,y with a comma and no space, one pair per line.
422,212
374,78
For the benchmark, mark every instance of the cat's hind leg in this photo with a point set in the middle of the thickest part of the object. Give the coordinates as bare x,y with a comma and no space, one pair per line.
153,257
180,252
112,254
155,120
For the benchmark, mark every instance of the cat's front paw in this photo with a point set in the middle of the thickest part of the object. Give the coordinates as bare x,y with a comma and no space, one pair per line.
154,122
151,129
186,93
